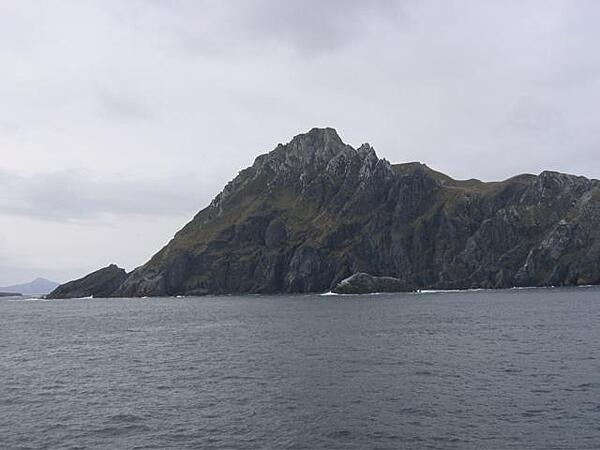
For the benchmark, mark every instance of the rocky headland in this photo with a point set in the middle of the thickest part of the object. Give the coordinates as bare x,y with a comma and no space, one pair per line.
101,283
10,294
316,211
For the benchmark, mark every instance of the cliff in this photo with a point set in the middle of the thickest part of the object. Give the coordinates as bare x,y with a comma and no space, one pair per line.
315,211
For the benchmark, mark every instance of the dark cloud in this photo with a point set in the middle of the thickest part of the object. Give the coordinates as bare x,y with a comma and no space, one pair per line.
223,29
315,26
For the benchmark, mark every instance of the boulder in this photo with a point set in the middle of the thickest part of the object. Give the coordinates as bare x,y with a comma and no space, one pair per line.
363,283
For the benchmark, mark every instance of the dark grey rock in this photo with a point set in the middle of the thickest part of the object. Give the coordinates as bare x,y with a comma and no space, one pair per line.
101,283
9,294
363,283
275,234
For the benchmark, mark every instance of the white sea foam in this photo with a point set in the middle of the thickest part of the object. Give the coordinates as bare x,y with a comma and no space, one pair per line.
439,291
449,291
29,299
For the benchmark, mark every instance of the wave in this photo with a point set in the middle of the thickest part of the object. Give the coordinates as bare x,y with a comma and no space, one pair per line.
447,291
30,299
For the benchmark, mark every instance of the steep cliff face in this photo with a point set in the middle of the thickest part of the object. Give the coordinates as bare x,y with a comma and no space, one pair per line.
315,211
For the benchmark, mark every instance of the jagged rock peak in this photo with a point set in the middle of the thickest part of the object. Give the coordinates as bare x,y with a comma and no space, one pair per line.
316,148
316,140
322,135
366,150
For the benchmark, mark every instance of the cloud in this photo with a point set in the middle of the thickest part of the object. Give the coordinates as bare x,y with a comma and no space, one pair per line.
314,26
147,108
216,28
71,195
122,106
64,250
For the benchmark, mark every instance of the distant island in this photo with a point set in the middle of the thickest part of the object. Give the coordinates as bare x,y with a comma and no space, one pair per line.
318,215
9,294
39,286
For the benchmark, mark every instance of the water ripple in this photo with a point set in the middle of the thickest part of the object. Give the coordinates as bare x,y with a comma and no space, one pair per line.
486,369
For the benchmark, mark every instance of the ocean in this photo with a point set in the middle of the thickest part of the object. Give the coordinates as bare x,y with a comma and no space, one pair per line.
509,369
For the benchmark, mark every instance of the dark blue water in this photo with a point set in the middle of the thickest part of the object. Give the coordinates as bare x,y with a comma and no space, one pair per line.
492,370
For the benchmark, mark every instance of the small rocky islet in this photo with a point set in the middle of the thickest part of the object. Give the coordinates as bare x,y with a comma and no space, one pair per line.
101,283
317,215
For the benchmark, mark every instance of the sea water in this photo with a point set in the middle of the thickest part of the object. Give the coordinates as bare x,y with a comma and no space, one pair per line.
509,369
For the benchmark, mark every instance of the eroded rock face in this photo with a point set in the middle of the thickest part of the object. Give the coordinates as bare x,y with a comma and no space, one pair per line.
315,211
101,283
363,283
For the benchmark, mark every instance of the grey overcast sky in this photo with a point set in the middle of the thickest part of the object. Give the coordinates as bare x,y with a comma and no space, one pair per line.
121,119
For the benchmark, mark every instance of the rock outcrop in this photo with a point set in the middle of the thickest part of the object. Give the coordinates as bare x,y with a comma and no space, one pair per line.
315,211
102,283
9,294
364,283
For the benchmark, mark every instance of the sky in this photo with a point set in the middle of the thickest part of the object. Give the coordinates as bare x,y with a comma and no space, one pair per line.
120,119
